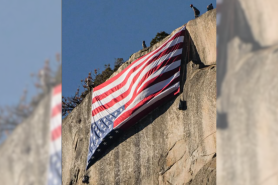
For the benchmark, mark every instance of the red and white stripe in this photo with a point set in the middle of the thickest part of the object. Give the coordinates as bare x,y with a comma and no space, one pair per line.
143,83
56,120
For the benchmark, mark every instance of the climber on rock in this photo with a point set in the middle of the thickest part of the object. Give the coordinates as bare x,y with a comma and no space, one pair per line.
209,7
196,11
144,45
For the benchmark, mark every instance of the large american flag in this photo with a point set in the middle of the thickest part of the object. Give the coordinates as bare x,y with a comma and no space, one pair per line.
55,159
124,99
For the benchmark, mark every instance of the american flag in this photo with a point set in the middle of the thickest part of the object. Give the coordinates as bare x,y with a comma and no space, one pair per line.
124,99
55,159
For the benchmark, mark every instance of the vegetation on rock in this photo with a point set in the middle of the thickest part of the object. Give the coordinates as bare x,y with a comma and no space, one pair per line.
159,37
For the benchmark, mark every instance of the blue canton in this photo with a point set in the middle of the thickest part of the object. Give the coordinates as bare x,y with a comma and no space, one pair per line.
100,129
55,169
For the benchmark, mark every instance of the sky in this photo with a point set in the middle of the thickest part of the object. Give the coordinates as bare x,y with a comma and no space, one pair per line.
30,33
94,33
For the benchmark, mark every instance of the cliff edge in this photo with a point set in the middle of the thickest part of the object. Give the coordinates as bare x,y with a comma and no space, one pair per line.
167,146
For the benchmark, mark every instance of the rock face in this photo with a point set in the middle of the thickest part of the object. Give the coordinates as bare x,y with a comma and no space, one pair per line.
203,34
258,15
167,146
24,154
247,109
247,101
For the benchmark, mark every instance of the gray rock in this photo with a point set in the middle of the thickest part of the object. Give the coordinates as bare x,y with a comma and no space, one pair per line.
24,154
247,138
260,16
203,34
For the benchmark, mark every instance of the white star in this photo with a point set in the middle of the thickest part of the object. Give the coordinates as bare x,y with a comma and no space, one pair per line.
50,175
104,143
115,113
58,165
111,137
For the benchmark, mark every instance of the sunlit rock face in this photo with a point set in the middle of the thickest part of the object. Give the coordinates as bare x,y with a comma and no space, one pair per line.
24,154
247,94
260,17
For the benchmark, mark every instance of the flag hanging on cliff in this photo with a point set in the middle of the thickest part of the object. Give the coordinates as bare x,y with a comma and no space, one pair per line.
122,100
55,158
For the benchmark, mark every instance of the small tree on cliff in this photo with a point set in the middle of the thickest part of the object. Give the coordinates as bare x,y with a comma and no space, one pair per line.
159,37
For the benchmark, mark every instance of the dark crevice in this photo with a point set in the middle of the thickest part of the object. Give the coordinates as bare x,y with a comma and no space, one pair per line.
76,145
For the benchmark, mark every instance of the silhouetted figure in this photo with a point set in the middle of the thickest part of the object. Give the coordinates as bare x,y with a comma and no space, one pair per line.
196,11
209,7
85,179
144,45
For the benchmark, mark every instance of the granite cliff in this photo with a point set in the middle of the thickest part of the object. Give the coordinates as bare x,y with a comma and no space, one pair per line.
167,146
24,154
247,98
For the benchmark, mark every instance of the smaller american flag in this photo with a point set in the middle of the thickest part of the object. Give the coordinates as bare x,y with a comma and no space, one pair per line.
218,16
55,159
124,99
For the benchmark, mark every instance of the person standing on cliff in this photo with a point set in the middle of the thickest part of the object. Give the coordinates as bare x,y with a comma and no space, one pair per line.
210,7
144,45
196,11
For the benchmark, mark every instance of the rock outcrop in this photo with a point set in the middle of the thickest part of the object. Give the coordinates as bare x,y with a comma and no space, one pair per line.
259,17
203,34
167,146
